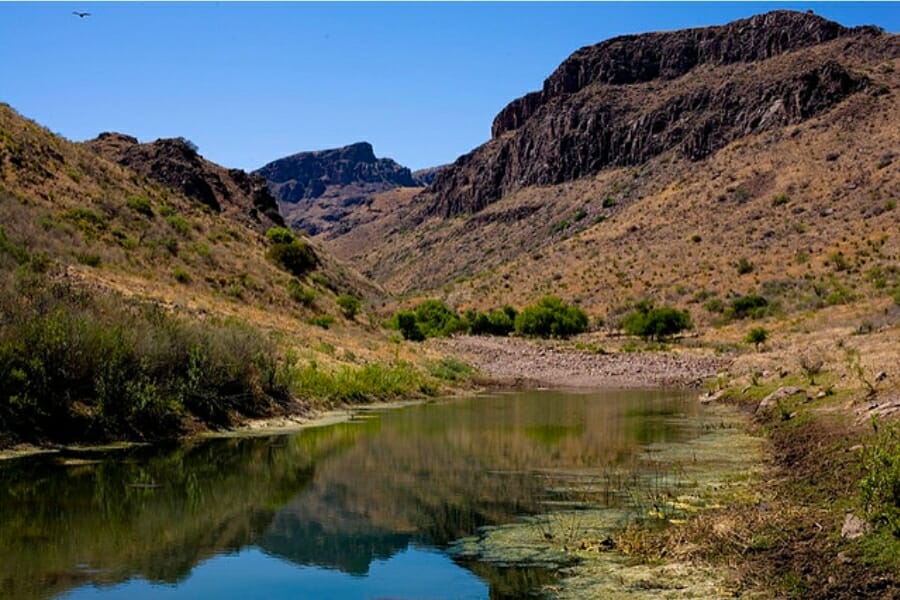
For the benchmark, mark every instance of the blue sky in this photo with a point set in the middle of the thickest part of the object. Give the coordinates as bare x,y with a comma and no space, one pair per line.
251,82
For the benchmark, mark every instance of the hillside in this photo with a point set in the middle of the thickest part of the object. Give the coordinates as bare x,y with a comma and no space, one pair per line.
771,140
318,191
136,310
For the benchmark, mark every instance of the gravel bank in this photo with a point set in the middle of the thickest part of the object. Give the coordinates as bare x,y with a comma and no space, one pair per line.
537,363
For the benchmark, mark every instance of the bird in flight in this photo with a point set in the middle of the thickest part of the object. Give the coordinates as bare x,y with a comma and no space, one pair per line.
81,14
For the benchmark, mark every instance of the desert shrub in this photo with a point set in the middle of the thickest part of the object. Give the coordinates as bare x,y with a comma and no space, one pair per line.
880,485
179,224
357,385
140,205
757,336
323,321
780,200
609,202
88,259
87,220
551,317
295,257
300,293
181,275
499,321
744,266
450,369
75,367
436,319
409,328
750,306
650,322
349,305
280,235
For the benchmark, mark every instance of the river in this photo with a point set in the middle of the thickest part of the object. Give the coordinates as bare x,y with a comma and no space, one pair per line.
391,504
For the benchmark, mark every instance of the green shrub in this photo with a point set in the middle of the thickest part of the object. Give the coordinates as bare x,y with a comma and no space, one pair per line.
88,259
757,336
658,323
450,369
300,293
436,319
609,202
366,384
323,321
551,317
780,200
499,321
87,220
140,205
295,257
179,224
280,235
180,275
409,328
744,266
880,485
349,305
750,306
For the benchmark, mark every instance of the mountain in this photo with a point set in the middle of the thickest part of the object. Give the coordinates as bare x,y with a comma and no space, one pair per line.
175,163
317,191
427,175
628,99
649,165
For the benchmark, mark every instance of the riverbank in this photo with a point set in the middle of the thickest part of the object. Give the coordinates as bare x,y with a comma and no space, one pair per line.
548,363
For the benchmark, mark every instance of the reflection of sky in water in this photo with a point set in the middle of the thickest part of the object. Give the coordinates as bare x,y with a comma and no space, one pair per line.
412,574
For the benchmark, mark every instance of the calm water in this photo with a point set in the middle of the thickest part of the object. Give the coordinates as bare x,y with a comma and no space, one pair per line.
364,509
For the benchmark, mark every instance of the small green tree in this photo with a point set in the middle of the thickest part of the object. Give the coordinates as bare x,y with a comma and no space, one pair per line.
296,257
279,235
349,305
757,336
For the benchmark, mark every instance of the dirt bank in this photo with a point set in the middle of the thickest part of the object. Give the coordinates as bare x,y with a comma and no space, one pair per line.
540,363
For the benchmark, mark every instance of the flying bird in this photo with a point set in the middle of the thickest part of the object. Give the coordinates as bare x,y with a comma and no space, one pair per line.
81,14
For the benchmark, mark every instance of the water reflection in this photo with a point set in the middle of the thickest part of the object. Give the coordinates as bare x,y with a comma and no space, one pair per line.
340,498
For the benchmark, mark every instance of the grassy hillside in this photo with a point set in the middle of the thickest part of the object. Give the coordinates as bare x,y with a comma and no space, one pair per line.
131,311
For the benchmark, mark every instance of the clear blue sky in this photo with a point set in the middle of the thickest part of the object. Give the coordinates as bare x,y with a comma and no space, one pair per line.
251,82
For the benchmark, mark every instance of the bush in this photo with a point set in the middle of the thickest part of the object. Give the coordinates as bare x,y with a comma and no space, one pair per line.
880,485
140,205
300,293
409,328
650,322
499,321
280,235
323,321
349,305
751,306
757,336
551,317
295,257
76,368
744,266
436,319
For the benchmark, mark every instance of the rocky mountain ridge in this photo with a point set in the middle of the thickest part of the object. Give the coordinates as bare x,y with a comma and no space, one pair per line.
628,99
317,190
175,163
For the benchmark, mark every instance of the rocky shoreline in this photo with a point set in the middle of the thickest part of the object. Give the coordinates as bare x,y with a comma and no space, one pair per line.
529,363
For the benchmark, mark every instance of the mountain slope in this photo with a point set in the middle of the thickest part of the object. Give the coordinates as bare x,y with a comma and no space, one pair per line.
787,162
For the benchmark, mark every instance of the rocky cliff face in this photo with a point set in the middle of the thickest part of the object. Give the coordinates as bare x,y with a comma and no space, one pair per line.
175,163
316,191
628,99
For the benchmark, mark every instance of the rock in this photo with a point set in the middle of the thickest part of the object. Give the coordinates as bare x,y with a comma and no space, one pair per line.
780,394
593,111
853,527
332,181
175,163
710,397
881,376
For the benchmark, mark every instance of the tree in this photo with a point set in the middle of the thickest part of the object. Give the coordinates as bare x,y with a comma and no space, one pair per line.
409,328
757,336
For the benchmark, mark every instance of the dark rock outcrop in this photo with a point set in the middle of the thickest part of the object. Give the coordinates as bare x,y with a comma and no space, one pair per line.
316,191
176,164
310,174
427,176
628,99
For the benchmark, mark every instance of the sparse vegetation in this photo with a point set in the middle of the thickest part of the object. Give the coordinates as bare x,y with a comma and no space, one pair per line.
880,485
757,336
349,305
